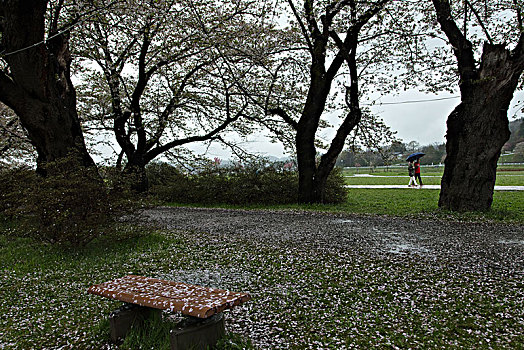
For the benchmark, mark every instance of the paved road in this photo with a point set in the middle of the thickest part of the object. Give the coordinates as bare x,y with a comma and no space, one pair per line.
432,187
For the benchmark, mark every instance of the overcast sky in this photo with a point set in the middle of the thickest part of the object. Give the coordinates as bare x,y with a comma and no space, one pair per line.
418,116
423,121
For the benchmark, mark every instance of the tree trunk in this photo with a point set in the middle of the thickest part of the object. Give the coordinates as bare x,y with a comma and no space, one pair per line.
329,159
135,175
38,87
477,130
57,134
478,127
306,166
473,148
305,138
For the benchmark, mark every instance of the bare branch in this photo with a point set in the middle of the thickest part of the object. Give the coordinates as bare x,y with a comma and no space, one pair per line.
479,21
305,33
519,15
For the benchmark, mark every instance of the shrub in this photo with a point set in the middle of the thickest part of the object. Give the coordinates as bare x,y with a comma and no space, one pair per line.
335,187
69,205
167,182
15,184
257,183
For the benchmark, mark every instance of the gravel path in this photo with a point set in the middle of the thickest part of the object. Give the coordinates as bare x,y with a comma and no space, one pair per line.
470,245
335,281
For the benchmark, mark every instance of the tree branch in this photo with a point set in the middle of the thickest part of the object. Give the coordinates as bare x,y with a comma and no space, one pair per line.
519,49
168,110
143,78
519,15
282,114
351,37
301,24
480,21
363,19
462,47
160,149
53,27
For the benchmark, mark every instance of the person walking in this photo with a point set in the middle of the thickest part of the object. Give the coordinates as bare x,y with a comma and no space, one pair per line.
411,173
417,172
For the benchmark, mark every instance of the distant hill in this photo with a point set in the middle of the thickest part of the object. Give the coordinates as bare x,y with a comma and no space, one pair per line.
517,135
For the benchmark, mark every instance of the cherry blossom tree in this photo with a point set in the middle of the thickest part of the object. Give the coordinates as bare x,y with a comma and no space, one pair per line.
487,40
35,78
161,77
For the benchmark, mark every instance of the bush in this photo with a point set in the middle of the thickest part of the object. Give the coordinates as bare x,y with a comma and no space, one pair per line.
69,205
15,184
335,187
256,183
167,182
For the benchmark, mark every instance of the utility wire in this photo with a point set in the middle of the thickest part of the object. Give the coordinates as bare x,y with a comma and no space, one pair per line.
40,42
94,12
409,101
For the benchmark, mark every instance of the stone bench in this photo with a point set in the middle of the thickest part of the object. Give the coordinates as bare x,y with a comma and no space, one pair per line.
145,296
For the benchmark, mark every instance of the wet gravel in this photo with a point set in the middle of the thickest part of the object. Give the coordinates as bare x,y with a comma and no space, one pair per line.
338,281
475,246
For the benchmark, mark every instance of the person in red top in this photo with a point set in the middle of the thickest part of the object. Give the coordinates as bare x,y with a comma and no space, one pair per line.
417,172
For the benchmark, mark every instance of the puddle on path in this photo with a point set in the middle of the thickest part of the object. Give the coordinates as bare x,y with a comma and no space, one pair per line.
511,241
405,248
402,243
343,221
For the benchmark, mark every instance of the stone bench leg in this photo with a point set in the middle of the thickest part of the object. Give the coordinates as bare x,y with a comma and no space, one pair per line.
198,334
122,319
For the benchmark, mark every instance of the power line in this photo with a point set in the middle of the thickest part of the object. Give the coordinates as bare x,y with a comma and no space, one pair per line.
40,42
43,42
410,101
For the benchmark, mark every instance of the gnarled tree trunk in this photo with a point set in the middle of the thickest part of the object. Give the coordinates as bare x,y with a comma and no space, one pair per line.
38,85
478,127
135,174
477,130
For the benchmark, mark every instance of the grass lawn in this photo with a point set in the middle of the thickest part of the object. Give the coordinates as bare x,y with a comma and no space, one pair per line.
44,301
506,176
507,207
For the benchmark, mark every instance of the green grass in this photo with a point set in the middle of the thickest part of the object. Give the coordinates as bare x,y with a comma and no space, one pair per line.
43,289
390,180
332,298
511,158
507,207
506,176
396,202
